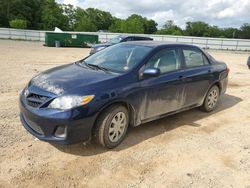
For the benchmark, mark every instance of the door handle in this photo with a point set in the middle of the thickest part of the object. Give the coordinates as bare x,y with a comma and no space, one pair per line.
209,71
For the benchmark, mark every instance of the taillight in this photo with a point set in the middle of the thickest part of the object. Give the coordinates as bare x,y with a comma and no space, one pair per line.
228,70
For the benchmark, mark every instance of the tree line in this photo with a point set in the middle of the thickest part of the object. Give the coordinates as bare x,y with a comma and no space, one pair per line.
48,14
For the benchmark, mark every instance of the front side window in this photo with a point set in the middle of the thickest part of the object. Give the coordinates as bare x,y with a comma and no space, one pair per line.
119,58
166,60
194,58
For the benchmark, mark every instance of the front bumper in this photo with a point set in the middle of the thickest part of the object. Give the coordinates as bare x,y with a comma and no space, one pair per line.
76,124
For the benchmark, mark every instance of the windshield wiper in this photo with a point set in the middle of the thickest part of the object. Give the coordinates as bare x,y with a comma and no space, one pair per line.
87,65
93,67
98,67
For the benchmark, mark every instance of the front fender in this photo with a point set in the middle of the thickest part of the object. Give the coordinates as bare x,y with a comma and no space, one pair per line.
126,103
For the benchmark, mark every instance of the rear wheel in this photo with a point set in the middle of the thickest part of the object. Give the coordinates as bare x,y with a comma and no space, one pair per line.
249,66
211,99
111,126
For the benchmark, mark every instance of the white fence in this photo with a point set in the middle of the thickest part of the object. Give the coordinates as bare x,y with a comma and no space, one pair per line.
203,42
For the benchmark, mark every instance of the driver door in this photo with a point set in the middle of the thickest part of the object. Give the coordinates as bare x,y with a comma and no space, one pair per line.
164,94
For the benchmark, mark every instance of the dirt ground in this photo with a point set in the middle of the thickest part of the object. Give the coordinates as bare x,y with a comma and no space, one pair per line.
190,149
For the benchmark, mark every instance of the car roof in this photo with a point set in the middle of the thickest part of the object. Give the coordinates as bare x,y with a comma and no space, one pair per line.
155,44
126,36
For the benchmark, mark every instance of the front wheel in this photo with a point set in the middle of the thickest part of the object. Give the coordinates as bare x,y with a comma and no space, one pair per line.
111,126
211,99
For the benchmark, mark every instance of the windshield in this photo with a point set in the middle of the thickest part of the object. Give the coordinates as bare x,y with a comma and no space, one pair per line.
115,40
118,58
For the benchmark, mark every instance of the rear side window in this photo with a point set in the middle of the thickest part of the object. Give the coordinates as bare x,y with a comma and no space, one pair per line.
194,58
166,60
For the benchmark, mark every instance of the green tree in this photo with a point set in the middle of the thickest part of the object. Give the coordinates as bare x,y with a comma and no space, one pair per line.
4,12
101,19
85,24
79,13
116,26
28,10
214,31
70,12
133,24
18,24
244,32
52,16
199,29
170,28
229,32
47,14
150,27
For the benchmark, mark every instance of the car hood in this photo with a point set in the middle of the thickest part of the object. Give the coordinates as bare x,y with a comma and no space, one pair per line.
67,78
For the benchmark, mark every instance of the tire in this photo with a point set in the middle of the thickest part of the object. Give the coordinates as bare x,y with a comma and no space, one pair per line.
249,66
111,127
211,99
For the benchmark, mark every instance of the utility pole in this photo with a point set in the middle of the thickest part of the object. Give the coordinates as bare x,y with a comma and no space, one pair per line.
234,33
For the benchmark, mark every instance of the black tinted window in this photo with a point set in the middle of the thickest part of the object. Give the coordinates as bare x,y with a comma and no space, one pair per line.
129,39
194,58
143,38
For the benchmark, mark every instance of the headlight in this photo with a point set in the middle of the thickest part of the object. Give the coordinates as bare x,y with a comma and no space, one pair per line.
67,102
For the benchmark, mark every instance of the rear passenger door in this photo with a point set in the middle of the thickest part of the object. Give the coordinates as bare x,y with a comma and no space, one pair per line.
197,76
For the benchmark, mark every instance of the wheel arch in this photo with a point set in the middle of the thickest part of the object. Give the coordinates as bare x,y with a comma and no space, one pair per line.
218,84
130,108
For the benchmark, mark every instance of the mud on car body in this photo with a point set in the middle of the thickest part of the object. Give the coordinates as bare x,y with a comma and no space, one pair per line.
124,85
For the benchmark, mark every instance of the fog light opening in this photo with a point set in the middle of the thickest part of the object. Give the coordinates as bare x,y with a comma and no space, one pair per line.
60,132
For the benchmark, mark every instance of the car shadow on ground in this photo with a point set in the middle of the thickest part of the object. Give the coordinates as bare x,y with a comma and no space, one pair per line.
149,130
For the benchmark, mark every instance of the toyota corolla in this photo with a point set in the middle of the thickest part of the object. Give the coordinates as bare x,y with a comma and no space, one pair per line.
124,85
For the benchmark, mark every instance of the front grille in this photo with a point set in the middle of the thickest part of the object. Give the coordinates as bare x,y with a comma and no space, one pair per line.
35,100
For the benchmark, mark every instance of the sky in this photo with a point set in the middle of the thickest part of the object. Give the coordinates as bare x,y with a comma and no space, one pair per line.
223,13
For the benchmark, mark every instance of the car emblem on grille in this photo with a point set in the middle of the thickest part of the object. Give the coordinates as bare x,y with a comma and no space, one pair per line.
26,92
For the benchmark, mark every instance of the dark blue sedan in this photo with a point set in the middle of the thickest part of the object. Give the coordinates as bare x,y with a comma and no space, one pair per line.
121,38
124,85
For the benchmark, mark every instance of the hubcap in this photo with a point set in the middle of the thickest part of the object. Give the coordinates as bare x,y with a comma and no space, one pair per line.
212,98
117,127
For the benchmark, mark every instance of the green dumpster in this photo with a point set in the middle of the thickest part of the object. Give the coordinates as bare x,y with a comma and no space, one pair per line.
69,39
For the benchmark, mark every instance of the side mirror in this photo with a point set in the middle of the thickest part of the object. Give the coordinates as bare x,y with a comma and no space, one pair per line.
151,72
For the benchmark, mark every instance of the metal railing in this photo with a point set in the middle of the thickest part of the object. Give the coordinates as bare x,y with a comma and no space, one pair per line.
204,42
